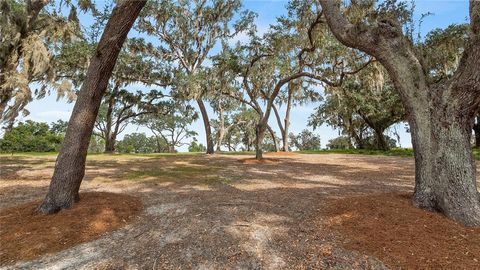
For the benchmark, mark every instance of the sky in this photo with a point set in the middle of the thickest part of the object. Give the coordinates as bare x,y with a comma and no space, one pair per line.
444,13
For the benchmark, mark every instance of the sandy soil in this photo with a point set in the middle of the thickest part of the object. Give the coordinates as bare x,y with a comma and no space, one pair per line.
214,212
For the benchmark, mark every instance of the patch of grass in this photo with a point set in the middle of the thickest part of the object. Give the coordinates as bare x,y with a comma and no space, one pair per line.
476,153
201,174
408,152
243,153
149,155
216,180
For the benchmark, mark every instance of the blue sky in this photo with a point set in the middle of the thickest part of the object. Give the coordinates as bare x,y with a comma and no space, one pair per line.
445,12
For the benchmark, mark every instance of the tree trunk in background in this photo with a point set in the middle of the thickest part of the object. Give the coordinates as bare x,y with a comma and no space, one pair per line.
380,138
476,129
70,165
221,134
352,134
286,146
221,131
110,144
282,130
440,115
274,139
107,133
206,124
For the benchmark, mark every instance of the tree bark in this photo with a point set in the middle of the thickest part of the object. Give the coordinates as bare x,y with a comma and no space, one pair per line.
260,135
439,114
206,124
70,165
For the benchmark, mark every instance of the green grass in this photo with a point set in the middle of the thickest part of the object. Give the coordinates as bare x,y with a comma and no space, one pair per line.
242,153
392,152
29,154
404,152
52,154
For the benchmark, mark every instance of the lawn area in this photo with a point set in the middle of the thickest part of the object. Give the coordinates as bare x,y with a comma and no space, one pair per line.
402,152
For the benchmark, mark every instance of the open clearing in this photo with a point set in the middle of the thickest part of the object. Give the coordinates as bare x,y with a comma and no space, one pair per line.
295,211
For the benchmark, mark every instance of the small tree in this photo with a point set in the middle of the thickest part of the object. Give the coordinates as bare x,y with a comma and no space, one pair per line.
96,145
366,103
137,143
342,142
171,127
305,140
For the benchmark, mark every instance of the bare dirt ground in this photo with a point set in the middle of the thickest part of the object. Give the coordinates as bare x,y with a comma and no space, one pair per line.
214,212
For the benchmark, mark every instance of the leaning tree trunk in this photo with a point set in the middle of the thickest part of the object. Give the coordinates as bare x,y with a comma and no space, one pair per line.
440,115
70,165
274,139
206,124
282,129
221,134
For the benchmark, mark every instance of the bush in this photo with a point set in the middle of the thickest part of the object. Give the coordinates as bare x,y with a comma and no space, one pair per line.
342,142
31,136
196,147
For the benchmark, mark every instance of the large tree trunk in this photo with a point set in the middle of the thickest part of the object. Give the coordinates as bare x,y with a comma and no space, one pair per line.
440,115
445,168
70,165
206,124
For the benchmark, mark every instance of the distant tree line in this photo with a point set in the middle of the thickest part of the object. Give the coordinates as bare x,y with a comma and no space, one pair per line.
169,134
